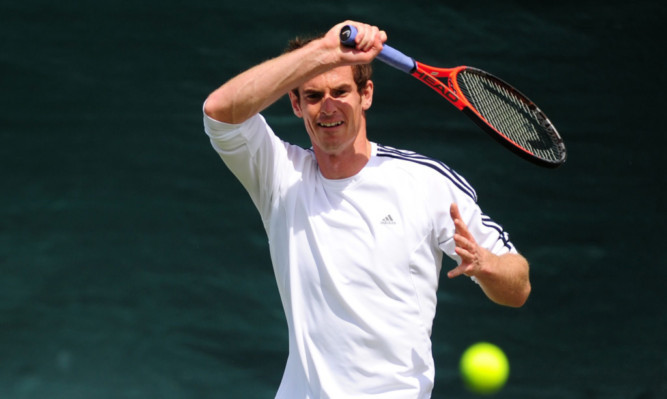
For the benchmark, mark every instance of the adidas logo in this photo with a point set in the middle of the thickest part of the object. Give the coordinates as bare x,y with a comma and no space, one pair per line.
388,220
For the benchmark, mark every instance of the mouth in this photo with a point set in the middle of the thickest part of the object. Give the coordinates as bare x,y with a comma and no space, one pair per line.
329,124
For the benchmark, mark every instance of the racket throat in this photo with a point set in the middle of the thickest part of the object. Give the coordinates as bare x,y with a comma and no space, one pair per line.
440,87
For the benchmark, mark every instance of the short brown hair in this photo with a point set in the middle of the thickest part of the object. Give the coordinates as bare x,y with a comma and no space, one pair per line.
361,73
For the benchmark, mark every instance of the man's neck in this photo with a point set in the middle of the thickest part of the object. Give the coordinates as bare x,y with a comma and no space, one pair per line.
346,164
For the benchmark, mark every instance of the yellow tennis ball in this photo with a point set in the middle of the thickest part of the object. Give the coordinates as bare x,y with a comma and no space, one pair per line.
484,368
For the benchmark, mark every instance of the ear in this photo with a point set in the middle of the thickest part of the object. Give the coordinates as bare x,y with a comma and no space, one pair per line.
367,96
296,107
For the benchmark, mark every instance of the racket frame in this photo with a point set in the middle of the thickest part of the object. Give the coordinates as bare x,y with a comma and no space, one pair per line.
452,92
431,76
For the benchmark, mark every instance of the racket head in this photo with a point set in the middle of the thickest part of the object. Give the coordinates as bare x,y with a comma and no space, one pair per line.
508,116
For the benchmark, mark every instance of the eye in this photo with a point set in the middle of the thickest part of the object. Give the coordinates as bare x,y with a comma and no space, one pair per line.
313,96
339,92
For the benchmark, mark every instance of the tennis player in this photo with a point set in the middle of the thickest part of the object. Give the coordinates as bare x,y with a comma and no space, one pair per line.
357,230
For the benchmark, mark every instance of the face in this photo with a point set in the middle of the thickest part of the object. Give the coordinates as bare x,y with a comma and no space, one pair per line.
333,111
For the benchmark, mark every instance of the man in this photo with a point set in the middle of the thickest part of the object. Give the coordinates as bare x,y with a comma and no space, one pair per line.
357,230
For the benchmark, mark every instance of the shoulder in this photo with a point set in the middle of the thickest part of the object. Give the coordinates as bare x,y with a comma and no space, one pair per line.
422,167
218,130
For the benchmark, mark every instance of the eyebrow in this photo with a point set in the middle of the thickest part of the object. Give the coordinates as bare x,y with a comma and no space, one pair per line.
343,86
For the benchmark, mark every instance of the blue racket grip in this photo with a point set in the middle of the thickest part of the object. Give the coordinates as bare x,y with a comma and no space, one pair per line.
388,55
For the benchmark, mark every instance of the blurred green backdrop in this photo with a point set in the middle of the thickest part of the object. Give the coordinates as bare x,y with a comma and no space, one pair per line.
133,265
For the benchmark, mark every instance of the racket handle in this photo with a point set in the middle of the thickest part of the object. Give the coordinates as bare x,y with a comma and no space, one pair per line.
388,55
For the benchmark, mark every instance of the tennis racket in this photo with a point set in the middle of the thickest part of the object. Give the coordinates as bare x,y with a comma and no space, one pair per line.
498,108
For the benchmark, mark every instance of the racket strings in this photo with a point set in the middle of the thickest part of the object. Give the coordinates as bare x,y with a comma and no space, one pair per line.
509,114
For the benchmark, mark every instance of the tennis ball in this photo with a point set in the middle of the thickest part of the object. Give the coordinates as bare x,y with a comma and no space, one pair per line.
484,368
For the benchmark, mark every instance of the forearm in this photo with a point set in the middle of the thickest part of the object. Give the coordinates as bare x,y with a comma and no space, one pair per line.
505,279
255,89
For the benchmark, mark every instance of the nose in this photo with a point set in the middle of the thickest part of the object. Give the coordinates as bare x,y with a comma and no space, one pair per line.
328,105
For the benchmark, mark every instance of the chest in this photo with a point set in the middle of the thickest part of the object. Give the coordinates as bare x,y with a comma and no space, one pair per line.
368,228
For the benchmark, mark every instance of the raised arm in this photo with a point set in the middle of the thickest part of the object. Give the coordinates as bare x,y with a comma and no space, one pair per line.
504,279
255,89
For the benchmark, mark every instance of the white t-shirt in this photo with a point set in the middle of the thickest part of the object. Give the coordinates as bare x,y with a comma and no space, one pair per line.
356,260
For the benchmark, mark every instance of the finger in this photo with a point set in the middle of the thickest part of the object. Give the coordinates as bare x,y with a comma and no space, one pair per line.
383,37
461,240
367,41
465,254
379,37
462,229
455,272
462,269
459,224
454,211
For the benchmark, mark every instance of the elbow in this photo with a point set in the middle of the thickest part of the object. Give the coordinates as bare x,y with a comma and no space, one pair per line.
514,298
522,292
511,288
214,109
521,297
222,107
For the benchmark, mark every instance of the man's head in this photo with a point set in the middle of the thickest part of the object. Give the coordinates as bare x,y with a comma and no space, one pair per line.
333,107
333,110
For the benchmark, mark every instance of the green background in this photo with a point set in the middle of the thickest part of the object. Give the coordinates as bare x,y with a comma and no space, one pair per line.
133,264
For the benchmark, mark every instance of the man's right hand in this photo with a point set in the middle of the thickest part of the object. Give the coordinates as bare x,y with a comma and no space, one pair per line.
368,43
